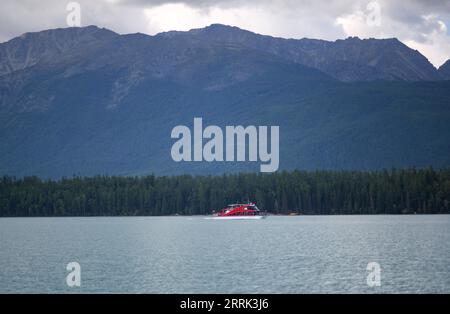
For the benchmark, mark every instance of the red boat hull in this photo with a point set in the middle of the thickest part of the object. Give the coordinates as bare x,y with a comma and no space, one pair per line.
239,211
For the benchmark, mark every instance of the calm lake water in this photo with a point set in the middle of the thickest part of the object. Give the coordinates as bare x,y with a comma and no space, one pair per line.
302,254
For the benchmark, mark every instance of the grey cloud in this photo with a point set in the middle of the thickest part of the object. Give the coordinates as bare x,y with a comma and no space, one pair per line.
191,3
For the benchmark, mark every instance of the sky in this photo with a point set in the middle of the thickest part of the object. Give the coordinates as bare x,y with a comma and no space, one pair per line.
420,24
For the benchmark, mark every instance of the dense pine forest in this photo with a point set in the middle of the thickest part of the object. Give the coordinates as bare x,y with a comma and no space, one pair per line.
406,191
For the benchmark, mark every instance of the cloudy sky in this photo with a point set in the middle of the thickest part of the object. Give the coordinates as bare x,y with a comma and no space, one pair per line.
422,25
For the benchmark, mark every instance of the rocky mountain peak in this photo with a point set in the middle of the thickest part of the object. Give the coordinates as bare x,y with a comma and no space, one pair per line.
30,48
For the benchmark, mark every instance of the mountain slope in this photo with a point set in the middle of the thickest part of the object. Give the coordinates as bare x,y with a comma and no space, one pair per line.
109,105
444,70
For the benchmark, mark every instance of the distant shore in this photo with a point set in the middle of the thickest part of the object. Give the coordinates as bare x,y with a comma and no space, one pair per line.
395,191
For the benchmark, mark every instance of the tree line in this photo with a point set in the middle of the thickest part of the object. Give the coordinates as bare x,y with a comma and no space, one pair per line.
395,191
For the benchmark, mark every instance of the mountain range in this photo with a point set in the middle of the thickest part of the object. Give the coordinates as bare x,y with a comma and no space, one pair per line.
89,101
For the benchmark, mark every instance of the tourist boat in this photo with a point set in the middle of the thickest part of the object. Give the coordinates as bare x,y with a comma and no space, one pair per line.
238,211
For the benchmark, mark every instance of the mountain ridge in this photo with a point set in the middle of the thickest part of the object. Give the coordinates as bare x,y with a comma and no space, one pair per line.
350,59
397,61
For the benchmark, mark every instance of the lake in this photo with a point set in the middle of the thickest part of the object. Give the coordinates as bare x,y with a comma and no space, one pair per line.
280,254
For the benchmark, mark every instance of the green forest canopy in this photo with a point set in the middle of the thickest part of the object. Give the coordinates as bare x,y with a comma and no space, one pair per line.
404,191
